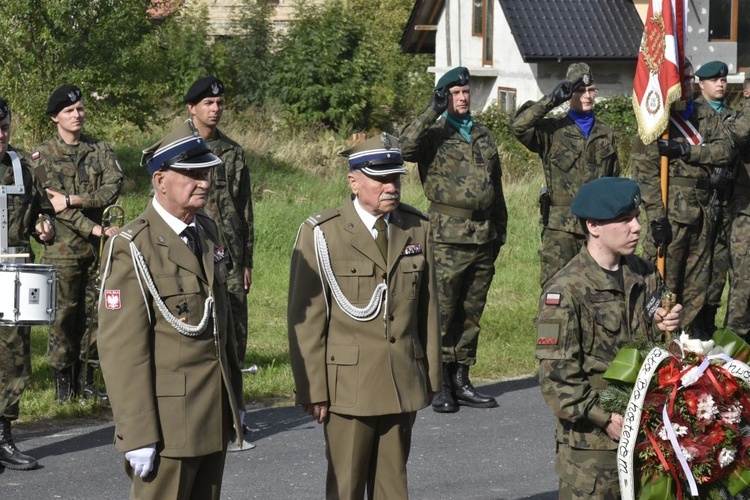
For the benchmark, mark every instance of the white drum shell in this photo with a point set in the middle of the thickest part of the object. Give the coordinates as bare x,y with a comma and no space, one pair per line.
27,294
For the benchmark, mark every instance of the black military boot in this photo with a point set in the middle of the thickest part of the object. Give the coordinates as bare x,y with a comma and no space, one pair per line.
444,402
64,385
467,394
10,457
88,386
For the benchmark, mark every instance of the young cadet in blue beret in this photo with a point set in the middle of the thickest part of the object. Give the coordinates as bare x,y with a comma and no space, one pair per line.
459,167
603,299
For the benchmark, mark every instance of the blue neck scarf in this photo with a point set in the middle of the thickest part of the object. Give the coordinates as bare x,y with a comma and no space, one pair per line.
584,120
688,111
461,123
717,105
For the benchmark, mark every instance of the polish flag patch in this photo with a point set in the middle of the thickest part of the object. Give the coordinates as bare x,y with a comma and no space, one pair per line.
552,299
35,155
112,299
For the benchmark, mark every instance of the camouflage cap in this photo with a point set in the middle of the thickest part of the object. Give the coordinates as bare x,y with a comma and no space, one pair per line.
208,86
63,97
4,109
607,198
577,71
456,76
379,156
713,69
183,149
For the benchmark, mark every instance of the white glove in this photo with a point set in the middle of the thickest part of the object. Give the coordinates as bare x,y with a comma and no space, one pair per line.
142,460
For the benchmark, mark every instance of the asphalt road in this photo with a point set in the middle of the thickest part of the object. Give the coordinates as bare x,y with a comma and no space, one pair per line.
475,454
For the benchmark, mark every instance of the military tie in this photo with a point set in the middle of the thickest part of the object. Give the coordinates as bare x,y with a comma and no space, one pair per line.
191,235
382,240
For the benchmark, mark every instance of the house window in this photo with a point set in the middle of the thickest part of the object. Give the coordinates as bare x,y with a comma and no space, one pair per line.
477,21
506,99
722,20
481,25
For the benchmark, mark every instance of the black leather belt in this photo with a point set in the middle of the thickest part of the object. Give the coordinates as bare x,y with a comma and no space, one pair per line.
466,213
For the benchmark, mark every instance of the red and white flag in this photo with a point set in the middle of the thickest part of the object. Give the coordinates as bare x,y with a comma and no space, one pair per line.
658,74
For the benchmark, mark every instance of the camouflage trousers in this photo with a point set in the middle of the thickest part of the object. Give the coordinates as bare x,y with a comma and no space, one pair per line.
76,313
238,305
738,305
558,247
464,274
589,474
15,367
720,264
688,266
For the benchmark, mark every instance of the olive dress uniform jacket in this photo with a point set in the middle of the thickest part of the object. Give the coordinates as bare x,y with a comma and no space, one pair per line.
365,368
165,387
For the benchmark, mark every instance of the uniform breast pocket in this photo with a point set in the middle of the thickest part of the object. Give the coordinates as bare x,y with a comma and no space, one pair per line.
355,278
411,268
65,174
602,339
563,157
182,296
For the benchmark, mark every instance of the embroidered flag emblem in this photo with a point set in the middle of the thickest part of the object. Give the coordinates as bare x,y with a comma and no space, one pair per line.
112,299
35,155
552,299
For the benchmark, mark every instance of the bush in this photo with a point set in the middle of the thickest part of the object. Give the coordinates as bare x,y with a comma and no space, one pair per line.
617,112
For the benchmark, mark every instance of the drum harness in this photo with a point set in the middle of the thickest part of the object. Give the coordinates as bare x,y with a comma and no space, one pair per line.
367,313
144,277
16,189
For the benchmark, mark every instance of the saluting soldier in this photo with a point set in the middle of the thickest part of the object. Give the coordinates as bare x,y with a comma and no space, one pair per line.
26,212
460,172
603,299
697,145
575,148
82,178
363,328
165,337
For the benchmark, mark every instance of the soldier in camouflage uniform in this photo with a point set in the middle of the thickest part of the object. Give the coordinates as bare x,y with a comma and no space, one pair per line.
738,306
82,178
229,203
575,148
687,231
603,299
22,217
712,79
461,176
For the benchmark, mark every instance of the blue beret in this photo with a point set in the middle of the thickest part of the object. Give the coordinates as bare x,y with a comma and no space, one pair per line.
379,156
63,97
607,198
456,76
4,109
183,149
713,69
208,86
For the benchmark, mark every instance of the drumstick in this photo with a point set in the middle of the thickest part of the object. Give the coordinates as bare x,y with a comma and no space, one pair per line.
14,255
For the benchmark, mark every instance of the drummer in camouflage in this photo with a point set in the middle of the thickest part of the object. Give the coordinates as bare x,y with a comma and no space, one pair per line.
27,214
603,299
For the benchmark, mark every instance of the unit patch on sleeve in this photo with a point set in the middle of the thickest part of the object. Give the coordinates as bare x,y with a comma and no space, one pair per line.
552,299
112,299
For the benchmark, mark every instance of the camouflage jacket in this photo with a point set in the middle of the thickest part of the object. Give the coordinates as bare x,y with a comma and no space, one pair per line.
24,209
88,170
568,157
230,203
688,179
586,316
460,174
739,130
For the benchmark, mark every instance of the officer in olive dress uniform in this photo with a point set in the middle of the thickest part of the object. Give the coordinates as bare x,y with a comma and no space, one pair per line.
461,175
364,340
167,348
575,148
24,203
603,299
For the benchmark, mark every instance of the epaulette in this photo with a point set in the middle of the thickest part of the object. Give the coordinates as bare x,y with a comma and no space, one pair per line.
131,230
323,216
413,210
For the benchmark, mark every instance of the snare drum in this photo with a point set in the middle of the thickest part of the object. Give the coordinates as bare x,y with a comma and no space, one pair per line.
28,294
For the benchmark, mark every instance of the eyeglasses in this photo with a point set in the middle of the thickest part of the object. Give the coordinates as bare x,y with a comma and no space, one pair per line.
591,92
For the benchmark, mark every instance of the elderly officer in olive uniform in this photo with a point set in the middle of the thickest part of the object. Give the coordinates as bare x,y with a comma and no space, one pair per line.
26,212
697,145
461,176
603,299
712,80
229,203
738,304
165,336
575,148
82,177
363,327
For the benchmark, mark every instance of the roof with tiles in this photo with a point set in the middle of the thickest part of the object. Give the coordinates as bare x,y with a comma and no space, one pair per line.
574,29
